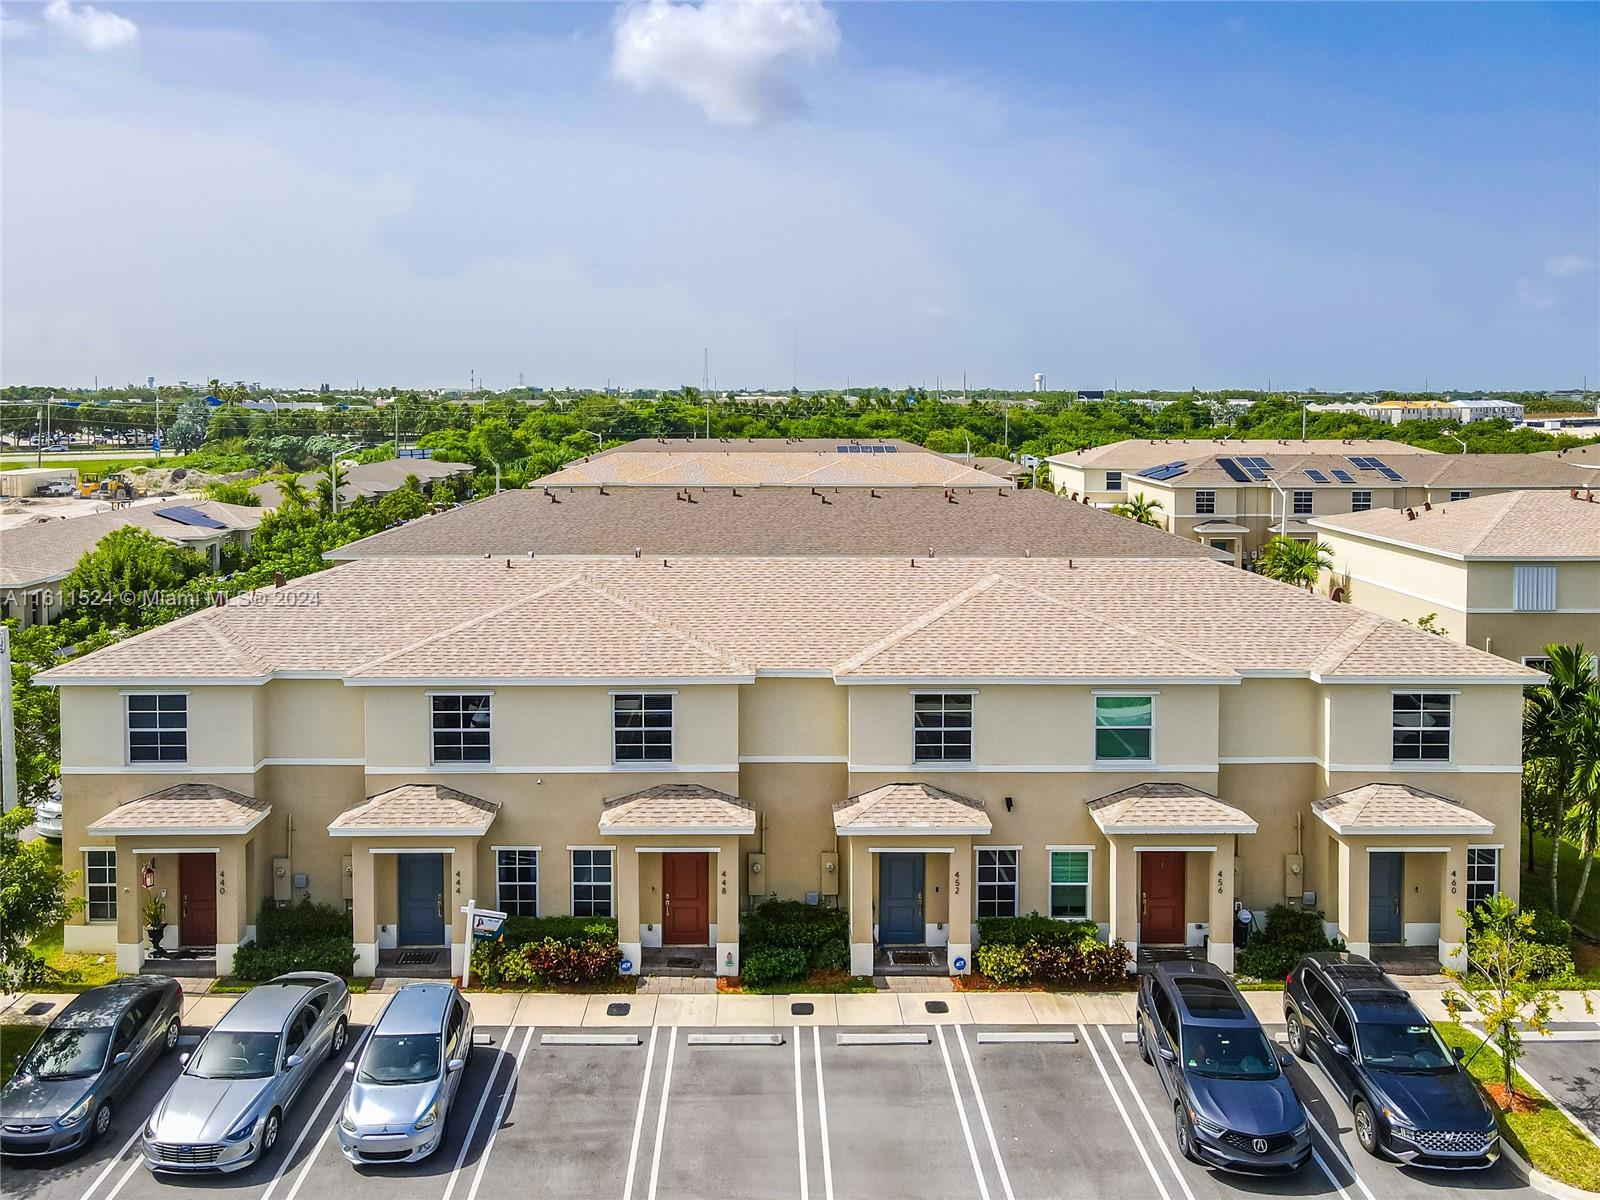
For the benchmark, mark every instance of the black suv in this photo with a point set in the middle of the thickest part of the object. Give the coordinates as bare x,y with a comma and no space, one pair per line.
1411,1099
1232,1104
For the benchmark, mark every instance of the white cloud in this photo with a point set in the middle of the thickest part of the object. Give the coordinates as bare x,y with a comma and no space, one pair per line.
1563,265
90,27
726,56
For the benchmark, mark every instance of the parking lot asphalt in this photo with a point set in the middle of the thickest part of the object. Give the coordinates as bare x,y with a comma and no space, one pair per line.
683,1112
1569,1073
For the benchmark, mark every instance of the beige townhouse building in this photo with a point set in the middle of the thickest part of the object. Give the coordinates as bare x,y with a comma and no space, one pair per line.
1508,573
1236,496
1140,742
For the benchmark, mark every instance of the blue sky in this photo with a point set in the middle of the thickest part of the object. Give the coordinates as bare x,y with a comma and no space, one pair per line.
1210,195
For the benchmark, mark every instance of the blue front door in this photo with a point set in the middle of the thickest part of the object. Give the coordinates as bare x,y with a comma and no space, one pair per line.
1385,879
900,900
421,887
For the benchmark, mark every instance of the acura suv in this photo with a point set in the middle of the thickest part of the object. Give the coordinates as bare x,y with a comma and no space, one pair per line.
1410,1097
1232,1105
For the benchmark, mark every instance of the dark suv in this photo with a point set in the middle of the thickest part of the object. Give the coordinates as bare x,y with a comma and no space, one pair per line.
1410,1097
1232,1104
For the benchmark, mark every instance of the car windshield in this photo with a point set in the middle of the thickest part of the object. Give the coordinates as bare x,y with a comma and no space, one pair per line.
401,1058
1411,1048
226,1055
1229,1053
68,1053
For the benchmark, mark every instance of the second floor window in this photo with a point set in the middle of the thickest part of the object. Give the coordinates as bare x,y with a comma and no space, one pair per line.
1302,504
158,728
1113,481
1205,502
461,728
942,727
1123,727
1534,587
641,727
1421,727
1460,495
1360,500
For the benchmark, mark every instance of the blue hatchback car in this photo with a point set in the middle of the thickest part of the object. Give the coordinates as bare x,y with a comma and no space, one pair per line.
1232,1104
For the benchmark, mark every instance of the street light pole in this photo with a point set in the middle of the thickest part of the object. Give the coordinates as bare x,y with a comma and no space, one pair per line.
1455,439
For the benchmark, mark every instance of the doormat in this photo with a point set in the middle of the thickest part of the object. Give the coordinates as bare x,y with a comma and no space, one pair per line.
911,958
688,964
417,958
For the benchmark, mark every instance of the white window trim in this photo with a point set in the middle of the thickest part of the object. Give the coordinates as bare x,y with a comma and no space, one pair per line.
1450,745
646,764
1294,503
1119,486
1499,850
1016,885
972,730
1088,883
1210,512
1366,505
572,883
461,764
116,895
1094,728
538,876
127,731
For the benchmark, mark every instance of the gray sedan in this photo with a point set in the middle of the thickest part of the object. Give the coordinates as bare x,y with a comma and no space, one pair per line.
225,1111
407,1076
67,1085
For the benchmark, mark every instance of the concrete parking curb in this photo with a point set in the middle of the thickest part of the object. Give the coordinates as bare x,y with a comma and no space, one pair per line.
590,1039
1061,1037
734,1039
881,1039
1538,1180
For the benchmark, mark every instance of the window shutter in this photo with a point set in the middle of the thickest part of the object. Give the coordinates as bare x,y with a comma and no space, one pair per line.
1535,588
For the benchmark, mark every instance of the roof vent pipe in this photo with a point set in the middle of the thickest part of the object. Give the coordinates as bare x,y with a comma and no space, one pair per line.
1411,514
279,579
1427,506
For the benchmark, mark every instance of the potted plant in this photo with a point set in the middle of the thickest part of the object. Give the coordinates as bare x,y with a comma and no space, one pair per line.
155,921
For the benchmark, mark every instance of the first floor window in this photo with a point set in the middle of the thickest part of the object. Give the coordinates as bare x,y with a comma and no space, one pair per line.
942,727
1069,884
1302,504
461,728
517,882
1421,727
591,883
1538,662
100,884
1360,500
158,728
641,727
1123,726
997,883
1483,873
1205,502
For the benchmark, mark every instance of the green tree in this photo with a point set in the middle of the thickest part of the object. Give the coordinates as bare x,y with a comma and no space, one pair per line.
33,899
229,421
1141,509
188,429
232,491
118,581
403,504
1292,562
1556,717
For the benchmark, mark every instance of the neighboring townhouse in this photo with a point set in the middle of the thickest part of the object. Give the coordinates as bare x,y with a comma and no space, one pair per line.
1586,455
35,558
770,462
1135,741
1509,573
1235,497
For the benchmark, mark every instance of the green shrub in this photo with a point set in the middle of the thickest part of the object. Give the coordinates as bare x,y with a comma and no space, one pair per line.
1289,933
519,931
304,921
1550,929
1088,964
773,964
1550,965
548,960
255,963
820,935
1037,928
1001,963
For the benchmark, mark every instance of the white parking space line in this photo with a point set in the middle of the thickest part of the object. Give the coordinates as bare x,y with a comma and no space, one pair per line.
638,1118
112,1165
1328,1171
500,1115
983,1111
661,1115
1083,1033
800,1118
1155,1133
1335,1151
961,1111
477,1114
822,1115
285,1159
305,1167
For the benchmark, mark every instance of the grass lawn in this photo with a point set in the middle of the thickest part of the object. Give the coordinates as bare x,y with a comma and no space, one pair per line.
14,1039
818,982
99,465
1536,884
1544,1137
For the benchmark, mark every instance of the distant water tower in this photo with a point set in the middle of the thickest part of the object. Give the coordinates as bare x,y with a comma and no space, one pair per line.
1038,381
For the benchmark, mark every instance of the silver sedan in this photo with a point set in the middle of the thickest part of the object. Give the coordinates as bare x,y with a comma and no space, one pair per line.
226,1110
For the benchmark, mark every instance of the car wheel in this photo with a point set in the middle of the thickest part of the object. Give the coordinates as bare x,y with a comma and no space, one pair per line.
341,1032
269,1133
1144,1048
1297,1033
1185,1134
1366,1128
170,1043
102,1121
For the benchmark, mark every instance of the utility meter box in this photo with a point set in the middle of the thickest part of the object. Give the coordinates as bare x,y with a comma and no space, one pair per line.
1294,877
282,883
757,864
830,873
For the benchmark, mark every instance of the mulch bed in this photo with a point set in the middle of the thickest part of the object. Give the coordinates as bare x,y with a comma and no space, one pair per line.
1515,1103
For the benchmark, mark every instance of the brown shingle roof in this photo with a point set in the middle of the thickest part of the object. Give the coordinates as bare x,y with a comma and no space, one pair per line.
45,551
428,808
184,808
1156,808
678,808
1396,808
1138,454
770,462
1531,524
905,808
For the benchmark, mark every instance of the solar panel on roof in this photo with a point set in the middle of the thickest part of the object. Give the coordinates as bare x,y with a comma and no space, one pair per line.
841,449
184,515
1342,475
1169,470
1232,470
1384,469
1316,476
1260,462
1361,462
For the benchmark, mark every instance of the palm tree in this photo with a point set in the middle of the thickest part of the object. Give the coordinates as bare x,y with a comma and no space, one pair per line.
1141,509
292,493
1293,562
1583,732
1553,718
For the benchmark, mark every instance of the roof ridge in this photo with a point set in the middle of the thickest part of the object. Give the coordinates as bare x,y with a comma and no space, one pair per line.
467,624
917,624
623,602
230,641
1347,643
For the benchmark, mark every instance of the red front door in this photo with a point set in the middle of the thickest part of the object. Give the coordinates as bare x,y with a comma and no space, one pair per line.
686,899
1161,905
197,903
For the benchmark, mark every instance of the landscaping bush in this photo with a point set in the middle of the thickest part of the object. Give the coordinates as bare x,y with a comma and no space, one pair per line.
1088,964
1272,951
305,921
519,931
773,964
1550,965
820,935
1042,950
1001,963
549,950
299,937
1037,928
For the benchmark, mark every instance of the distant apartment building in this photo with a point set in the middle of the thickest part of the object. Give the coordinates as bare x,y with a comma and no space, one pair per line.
1507,573
1394,412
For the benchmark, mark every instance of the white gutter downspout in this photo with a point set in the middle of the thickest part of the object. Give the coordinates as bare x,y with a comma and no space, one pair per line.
1283,523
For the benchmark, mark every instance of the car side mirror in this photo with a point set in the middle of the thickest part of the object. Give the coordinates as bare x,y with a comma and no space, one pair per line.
349,1066
294,1060
1340,1049
122,1057
1457,1053
1166,1054
183,1059
455,1064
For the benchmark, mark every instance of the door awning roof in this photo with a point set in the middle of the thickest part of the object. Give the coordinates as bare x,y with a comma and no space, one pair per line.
671,808
1390,809
203,808
429,809
1158,808
911,808
1219,527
